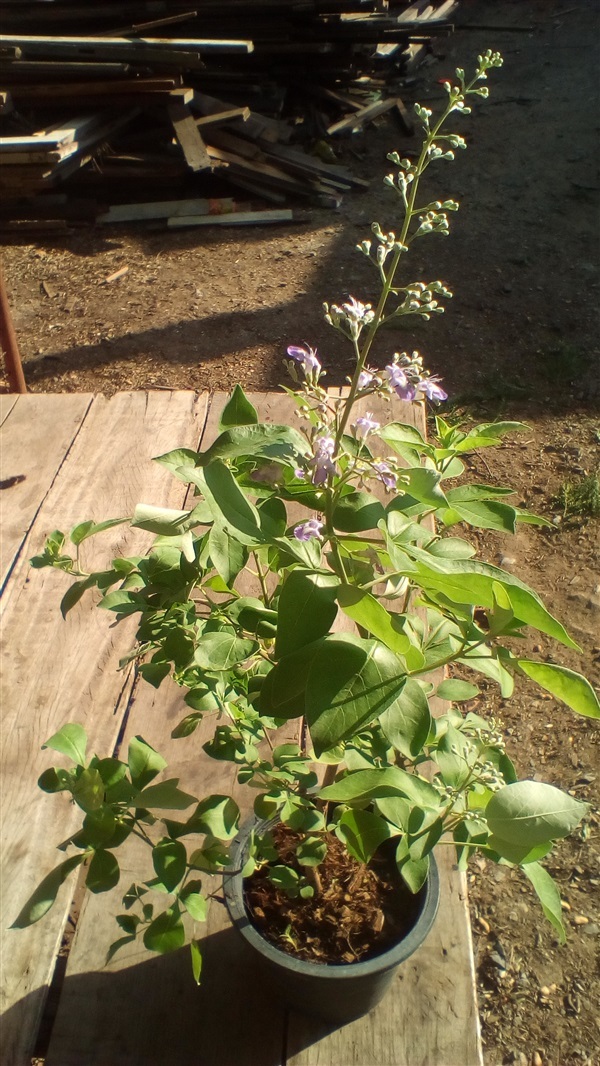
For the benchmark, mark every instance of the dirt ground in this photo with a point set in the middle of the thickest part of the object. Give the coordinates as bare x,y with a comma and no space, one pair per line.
201,310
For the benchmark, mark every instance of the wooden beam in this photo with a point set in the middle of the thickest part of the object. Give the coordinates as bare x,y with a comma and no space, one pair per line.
168,209
186,132
119,46
235,218
366,114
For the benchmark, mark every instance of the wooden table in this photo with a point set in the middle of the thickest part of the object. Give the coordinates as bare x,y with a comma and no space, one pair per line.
66,458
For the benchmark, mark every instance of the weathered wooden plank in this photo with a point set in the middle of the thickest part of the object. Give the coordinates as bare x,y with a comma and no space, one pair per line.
34,441
187,134
55,671
169,209
119,47
7,402
120,1015
429,1016
235,218
359,118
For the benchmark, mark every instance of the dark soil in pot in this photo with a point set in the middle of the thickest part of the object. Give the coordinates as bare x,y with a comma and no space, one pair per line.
356,913
313,962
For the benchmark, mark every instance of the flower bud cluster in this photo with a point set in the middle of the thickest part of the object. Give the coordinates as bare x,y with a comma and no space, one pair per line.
433,222
420,299
351,318
303,364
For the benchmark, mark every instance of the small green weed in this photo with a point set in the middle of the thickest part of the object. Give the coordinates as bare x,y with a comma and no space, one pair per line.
581,497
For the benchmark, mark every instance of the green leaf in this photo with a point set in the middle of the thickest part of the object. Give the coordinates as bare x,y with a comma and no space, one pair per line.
351,681
378,784
548,895
196,953
406,724
221,651
121,602
229,504
311,851
99,827
530,813
424,486
73,594
451,548
455,690
263,439
566,685
362,832
307,610
103,873
165,796
177,459
273,517
154,673
165,521
283,691
194,902
356,512
403,433
218,816
238,411
166,933
144,762
413,871
45,894
187,726
285,878
169,859
88,790
484,514
89,529
55,780
469,581
227,554
71,740
367,611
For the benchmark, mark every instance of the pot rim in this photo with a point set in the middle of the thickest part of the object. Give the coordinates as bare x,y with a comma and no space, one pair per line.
387,960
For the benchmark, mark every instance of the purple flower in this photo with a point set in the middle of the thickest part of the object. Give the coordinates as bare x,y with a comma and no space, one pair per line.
365,425
322,463
400,383
307,357
386,475
300,473
432,390
307,530
364,379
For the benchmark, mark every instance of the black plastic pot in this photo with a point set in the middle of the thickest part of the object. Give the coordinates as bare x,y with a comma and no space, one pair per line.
336,993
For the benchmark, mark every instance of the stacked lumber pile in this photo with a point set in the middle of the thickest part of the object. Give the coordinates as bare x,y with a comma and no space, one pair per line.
192,104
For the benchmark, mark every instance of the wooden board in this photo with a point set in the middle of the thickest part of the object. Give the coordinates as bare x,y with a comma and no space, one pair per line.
55,671
187,134
34,442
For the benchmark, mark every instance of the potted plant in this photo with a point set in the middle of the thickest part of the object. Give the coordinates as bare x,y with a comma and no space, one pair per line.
335,879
